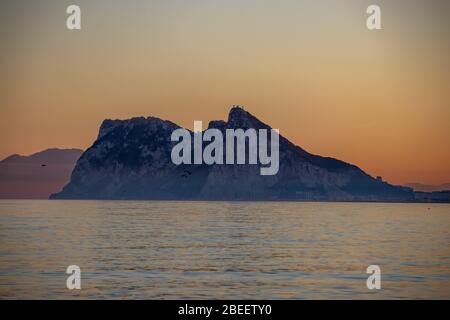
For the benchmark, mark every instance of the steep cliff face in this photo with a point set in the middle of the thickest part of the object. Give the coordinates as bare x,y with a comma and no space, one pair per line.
131,159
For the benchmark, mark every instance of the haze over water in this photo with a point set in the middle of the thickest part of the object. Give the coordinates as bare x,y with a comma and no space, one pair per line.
223,250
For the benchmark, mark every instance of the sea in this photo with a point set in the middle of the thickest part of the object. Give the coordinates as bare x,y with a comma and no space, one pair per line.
223,250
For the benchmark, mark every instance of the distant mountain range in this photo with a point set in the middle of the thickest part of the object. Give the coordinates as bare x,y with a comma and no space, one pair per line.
38,175
131,159
428,188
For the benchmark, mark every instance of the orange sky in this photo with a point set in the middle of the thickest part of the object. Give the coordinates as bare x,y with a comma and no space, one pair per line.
378,99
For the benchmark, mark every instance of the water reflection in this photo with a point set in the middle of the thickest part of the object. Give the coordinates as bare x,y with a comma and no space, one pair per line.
226,250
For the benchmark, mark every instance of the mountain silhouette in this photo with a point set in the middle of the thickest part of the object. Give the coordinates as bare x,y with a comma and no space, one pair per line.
36,176
131,159
428,188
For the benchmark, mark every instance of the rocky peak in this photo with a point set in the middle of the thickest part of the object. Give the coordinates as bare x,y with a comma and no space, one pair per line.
148,124
131,159
239,118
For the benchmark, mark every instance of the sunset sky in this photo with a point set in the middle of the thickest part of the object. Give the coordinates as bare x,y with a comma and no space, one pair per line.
377,99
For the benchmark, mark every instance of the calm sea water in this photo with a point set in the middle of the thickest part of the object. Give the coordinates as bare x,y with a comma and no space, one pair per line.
172,250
